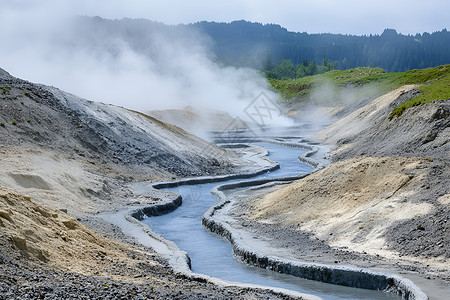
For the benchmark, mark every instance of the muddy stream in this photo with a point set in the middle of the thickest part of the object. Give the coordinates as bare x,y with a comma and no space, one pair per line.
212,254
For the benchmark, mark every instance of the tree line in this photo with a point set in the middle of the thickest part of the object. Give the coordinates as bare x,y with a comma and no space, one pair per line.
242,43
286,70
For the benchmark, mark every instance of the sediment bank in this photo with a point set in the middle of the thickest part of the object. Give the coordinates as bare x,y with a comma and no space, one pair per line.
348,276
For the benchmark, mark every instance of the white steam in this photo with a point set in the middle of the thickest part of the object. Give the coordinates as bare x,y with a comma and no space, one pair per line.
327,103
46,44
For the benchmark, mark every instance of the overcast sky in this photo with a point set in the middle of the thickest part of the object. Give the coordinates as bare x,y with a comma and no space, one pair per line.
316,16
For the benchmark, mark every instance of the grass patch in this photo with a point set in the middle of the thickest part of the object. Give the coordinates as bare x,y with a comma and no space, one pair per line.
298,89
438,89
434,84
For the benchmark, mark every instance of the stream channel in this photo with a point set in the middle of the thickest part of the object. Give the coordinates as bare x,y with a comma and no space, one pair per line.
212,254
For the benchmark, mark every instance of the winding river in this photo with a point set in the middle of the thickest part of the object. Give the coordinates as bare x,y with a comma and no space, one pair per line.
212,255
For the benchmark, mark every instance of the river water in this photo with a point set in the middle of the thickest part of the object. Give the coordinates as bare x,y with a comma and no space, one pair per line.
212,255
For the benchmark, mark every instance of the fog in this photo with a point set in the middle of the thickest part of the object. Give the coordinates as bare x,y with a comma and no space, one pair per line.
327,103
327,94
123,63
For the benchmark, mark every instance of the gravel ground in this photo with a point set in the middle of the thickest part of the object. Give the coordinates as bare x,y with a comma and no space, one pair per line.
19,281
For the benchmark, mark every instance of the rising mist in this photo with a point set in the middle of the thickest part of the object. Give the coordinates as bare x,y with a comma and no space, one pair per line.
137,64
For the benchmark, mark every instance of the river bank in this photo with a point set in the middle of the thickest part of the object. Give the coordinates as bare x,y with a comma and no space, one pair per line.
288,242
387,211
180,261
404,285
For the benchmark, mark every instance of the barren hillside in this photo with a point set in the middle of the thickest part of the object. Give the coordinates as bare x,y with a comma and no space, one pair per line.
37,115
420,131
387,193
358,202
197,121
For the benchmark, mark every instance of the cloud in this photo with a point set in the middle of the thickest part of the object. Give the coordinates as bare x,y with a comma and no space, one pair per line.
344,16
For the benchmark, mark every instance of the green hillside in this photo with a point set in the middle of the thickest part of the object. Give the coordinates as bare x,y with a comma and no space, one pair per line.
434,84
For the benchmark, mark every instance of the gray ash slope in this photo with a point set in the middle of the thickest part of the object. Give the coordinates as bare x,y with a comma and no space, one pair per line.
421,131
36,114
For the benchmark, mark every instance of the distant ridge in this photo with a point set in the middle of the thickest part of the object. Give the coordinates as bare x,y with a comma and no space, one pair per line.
247,44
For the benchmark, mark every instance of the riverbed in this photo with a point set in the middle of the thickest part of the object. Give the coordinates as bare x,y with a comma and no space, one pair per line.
212,255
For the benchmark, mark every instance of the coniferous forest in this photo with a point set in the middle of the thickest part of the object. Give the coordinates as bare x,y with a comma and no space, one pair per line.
243,43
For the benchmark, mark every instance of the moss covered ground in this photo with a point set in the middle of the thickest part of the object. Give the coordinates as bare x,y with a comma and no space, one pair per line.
434,84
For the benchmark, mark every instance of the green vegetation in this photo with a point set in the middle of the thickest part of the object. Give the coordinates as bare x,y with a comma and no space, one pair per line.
436,89
286,69
14,122
247,44
434,84
300,88
2,124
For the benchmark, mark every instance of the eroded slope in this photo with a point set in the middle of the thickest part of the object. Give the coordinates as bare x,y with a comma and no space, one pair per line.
37,115
387,192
